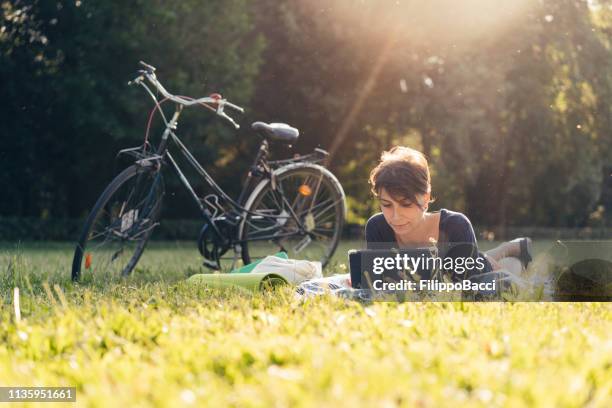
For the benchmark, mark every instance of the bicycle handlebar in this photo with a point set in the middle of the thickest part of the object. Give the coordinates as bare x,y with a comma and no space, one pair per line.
149,74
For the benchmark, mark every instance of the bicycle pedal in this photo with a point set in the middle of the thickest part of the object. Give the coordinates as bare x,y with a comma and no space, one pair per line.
210,264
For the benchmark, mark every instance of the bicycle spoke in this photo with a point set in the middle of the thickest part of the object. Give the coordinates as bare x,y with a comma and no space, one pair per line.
314,198
116,254
326,202
310,210
332,205
278,204
297,196
320,235
121,225
324,229
263,229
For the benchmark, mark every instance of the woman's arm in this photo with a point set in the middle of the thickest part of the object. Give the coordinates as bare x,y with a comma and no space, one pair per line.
378,233
462,242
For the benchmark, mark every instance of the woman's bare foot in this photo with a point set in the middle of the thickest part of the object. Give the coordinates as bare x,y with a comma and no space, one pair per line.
518,248
505,250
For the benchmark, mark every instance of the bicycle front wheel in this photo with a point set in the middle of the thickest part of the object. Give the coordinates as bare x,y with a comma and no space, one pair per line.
303,215
120,224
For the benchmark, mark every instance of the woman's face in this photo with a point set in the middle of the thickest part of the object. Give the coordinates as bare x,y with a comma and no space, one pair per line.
403,216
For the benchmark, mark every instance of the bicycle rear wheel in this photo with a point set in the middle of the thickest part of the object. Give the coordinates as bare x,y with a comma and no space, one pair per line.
303,216
120,224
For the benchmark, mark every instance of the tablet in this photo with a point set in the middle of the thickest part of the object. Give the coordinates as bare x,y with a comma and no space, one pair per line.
396,264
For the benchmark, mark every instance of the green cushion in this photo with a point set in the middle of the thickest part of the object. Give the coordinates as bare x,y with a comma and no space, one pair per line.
248,268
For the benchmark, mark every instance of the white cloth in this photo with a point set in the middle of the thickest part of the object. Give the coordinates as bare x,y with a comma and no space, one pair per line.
292,270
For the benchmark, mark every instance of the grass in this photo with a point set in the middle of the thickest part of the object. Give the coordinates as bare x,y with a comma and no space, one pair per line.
154,341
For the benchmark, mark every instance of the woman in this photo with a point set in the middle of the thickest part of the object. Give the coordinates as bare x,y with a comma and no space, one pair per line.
402,184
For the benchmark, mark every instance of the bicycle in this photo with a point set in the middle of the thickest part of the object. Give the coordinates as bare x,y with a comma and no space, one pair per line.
294,205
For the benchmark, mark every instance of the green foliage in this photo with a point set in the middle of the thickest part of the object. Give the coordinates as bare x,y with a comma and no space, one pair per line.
511,104
64,69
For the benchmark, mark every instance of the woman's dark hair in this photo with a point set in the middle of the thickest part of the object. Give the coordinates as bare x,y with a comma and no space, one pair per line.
404,173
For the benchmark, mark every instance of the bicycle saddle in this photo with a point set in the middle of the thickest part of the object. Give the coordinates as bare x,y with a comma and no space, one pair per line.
277,131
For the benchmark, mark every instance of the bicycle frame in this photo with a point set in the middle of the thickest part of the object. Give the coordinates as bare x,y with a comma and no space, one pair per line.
260,169
228,219
260,213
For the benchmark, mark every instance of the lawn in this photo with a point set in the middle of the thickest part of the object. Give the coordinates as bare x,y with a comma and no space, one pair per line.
152,340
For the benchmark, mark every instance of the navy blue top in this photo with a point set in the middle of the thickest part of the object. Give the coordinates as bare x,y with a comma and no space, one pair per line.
456,236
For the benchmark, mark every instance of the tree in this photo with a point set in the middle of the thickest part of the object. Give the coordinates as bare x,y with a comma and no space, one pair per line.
64,67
